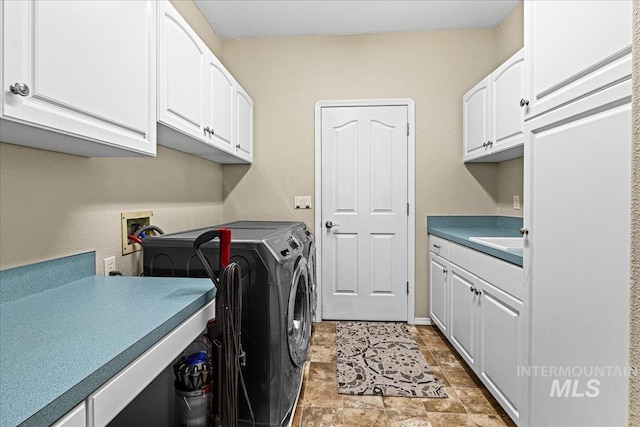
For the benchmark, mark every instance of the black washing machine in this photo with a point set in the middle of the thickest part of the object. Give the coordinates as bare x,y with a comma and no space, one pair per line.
276,317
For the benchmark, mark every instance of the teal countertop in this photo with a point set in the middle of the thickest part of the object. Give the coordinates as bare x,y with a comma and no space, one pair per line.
459,229
61,343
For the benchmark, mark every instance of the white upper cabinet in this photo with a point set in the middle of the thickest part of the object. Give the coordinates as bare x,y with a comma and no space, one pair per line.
493,116
197,95
181,79
244,124
574,48
220,103
507,116
475,107
79,77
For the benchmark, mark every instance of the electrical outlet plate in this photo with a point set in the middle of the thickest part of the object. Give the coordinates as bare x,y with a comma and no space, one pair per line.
109,265
129,219
302,202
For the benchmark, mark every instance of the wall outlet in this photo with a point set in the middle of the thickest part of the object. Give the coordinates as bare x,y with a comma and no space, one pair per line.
109,265
303,202
132,221
516,203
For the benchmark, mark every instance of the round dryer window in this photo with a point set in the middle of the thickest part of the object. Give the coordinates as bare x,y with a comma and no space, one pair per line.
298,315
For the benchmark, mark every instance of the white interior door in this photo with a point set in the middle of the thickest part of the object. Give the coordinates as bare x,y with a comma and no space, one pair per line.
364,212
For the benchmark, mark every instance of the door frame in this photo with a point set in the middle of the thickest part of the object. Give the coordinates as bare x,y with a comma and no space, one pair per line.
411,190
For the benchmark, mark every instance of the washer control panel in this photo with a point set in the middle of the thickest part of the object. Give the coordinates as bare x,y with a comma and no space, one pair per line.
284,247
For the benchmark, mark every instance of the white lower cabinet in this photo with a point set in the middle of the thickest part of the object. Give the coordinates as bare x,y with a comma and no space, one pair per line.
464,318
480,319
438,273
77,417
500,336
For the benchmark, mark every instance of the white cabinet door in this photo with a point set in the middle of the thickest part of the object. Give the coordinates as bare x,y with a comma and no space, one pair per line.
507,116
91,72
464,300
579,256
220,98
196,95
244,124
182,84
574,48
475,107
439,292
77,417
500,343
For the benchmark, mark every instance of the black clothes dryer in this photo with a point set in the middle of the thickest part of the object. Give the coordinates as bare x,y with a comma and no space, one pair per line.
302,232
276,318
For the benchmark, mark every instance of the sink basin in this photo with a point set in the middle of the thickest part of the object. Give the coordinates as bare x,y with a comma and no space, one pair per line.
511,244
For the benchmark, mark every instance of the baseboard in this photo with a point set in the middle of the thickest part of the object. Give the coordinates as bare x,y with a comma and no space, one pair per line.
423,321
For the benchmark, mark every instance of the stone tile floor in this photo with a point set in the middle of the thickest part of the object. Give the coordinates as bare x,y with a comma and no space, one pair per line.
469,402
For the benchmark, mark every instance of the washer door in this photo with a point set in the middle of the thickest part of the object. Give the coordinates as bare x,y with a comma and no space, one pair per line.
298,315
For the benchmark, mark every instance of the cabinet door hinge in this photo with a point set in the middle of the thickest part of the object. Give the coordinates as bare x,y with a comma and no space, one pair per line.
407,129
407,288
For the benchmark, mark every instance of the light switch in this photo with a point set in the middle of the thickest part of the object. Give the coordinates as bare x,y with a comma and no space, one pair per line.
303,202
516,202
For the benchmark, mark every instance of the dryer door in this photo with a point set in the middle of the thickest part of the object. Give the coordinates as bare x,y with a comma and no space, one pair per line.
299,315
313,295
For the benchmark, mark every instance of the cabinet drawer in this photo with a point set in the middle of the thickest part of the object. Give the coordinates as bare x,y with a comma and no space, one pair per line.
505,276
439,246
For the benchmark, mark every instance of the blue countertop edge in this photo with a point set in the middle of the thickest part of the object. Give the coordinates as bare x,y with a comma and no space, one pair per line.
67,401
458,229
29,281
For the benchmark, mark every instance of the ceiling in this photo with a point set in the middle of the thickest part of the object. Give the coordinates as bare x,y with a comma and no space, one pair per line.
286,18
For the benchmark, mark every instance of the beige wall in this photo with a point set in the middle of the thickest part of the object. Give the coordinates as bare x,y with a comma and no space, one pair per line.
287,76
53,205
510,39
634,348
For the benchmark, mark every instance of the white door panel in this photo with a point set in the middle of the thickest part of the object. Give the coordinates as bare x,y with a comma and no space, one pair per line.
220,108
364,194
439,292
463,318
580,265
181,72
475,107
500,335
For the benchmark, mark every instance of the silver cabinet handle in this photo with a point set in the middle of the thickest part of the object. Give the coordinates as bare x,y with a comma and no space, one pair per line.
436,246
20,89
444,270
206,131
477,292
330,225
472,289
524,231
484,144
238,146
489,143
524,102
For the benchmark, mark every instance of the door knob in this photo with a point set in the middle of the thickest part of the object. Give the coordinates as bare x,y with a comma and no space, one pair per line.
524,102
330,225
19,89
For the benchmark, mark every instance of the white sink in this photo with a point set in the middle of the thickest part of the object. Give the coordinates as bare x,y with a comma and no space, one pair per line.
511,244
